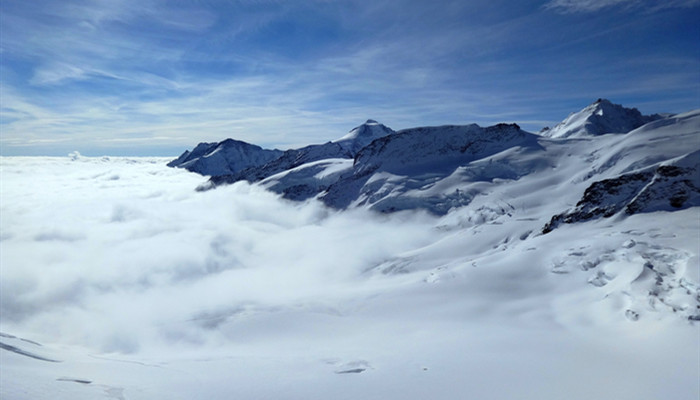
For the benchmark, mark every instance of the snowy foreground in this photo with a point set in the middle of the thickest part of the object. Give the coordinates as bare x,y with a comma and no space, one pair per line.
119,281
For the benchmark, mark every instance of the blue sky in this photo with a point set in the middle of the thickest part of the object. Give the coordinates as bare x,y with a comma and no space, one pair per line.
155,77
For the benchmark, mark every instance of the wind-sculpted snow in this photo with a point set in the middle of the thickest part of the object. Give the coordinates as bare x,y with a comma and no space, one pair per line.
651,144
654,168
308,180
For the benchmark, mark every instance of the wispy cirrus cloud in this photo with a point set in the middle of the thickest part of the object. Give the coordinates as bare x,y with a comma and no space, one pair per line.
587,6
284,74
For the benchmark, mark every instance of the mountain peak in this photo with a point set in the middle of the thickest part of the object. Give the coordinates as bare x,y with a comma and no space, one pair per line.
599,118
363,135
226,157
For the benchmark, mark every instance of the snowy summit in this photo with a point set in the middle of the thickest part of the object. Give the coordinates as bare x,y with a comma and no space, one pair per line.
363,135
599,118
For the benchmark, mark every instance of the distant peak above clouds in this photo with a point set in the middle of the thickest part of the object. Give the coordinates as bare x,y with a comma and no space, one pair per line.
599,118
226,157
370,128
363,135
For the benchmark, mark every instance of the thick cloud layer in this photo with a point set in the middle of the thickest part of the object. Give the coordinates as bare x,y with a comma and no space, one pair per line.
115,253
235,293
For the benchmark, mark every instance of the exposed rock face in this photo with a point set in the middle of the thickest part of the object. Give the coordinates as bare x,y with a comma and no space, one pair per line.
665,188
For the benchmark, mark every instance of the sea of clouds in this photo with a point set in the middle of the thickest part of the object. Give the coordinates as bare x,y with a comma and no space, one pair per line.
118,253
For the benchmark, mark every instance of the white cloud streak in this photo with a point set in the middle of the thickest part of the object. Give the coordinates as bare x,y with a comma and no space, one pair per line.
123,72
589,6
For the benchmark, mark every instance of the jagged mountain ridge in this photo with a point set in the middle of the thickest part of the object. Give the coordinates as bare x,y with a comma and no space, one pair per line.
345,147
442,168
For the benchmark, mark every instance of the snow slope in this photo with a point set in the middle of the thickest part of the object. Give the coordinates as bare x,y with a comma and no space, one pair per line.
308,180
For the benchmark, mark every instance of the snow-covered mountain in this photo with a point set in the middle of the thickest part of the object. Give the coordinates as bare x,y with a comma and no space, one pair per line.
599,118
363,135
411,169
445,167
653,168
346,147
223,158
434,262
668,187
440,168
288,160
